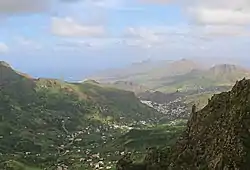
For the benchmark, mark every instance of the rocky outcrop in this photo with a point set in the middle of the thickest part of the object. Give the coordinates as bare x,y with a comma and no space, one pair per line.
126,163
217,137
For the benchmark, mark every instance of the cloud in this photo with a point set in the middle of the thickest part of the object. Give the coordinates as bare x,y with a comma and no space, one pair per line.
3,48
16,7
70,28
214,27
8,7
185,36
225,31
28,43
107,3
86,44
145,37
232,12
220,16
143,33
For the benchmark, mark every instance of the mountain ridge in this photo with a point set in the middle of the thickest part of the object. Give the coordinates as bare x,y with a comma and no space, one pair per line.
49,123
221,131
216,137
146,70
170,76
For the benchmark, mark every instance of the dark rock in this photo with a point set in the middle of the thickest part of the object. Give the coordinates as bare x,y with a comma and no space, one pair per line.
217,137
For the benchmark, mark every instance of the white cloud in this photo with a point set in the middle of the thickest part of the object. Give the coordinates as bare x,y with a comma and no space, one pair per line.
234,12
23,6
3,48
145,37
71,28
107,3
184,36
225,30
143,32
28,43
220,16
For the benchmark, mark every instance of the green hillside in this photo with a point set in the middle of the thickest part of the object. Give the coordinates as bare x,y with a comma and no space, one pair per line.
129,86
141,139
216,137
46,122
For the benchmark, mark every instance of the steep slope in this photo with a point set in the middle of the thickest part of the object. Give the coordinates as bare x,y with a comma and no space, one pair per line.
47,122
228,73
7,74
217,137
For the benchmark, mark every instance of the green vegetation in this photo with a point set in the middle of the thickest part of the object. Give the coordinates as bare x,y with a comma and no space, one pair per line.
46,122
16,166
128,86
216,137
140,139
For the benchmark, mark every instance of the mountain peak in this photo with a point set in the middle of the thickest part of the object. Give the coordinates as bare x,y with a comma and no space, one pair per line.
9,74
184,61
217,136
91,81
225,67
5,64
229,69
241,86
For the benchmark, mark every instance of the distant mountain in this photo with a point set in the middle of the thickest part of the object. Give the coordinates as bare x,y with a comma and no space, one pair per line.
129,86
148,73
159,97
228,72
170,76
218,75
46,122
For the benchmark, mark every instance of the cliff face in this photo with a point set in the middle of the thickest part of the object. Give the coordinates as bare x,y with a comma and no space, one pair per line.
217,137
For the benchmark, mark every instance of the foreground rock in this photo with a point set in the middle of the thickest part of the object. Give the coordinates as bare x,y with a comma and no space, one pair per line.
217,137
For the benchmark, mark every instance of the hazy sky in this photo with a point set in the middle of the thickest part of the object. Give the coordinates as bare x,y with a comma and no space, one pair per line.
51,37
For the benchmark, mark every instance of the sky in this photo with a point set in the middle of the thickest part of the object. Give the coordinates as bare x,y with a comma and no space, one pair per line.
75,38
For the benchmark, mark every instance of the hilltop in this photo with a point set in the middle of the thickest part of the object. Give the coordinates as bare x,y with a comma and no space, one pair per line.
129,86
48,122
147,73
170,76
216,76
216,137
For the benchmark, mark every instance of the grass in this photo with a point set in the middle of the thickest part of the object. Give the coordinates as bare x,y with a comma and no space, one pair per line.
35,113
140,139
